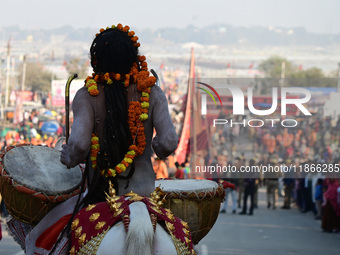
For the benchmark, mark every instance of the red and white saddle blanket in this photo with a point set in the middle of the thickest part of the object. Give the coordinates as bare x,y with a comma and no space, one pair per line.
93,221
98,218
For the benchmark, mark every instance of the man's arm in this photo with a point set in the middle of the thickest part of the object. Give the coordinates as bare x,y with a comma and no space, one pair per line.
79,142
166,139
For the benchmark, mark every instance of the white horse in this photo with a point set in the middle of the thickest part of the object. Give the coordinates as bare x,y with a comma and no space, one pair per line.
140,238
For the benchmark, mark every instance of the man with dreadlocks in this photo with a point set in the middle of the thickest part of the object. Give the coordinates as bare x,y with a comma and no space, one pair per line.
115,115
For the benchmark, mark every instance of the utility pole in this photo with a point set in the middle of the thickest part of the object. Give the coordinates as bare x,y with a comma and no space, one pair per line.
283,73
52,58
23,73
338,85
7,72
1,88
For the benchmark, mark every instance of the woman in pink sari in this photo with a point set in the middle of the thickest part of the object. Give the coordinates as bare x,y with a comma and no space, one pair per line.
331,210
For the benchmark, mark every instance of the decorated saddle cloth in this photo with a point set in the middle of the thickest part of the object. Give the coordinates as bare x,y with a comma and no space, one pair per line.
92,223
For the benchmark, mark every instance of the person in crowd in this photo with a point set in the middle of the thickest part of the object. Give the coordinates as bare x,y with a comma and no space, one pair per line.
272,183
330,221
239,161
318,198
179,174
115,116
249,190
222,160
288,182
160,168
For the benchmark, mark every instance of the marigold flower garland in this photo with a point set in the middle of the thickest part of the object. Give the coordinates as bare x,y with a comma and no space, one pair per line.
137,111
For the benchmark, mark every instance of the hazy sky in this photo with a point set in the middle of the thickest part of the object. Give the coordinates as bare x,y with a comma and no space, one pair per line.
321,16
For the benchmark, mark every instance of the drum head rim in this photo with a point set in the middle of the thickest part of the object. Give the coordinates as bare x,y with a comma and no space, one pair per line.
50,194
216,191
183,182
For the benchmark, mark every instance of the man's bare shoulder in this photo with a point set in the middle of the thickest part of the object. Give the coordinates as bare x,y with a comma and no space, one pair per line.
82,92
157,94
81,98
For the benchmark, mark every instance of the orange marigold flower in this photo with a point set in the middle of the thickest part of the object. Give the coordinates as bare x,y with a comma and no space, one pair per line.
130,156
87,79
133,147
136,45
143,74
102,30
106,76
127,80
118,170
150,83
109,173
117,76
131,33
141,58
91,84
120,26
134,39
94,92
126,28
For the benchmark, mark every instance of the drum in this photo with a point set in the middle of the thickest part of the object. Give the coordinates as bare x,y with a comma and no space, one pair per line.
194,201
33,181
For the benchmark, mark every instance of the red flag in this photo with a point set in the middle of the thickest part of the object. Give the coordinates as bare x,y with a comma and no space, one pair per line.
183,145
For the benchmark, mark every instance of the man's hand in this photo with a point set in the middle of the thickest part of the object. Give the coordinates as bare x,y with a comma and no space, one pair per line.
65,156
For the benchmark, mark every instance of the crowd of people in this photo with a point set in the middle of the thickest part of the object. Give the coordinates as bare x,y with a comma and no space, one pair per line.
316,193
308,152
29,131
314,141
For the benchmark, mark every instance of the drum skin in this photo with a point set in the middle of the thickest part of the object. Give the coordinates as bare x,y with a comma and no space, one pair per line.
33,181
194,201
